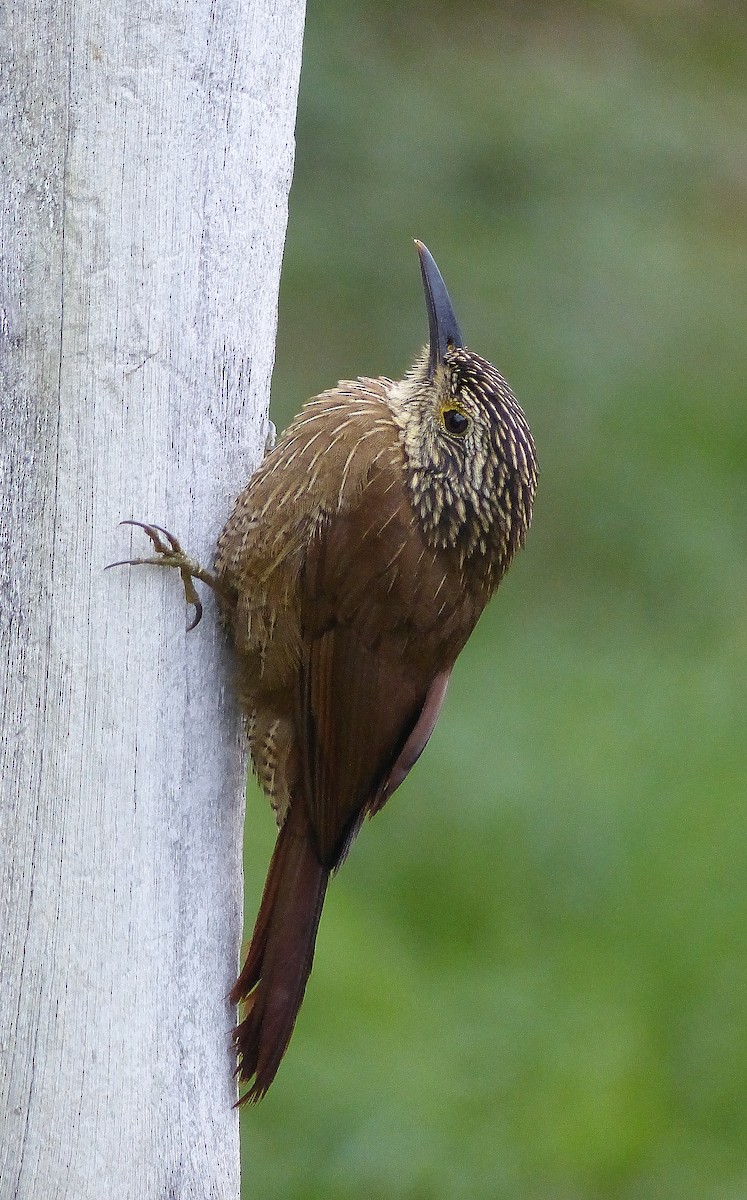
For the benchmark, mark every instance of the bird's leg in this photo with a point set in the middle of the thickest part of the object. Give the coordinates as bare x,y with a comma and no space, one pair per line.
169,553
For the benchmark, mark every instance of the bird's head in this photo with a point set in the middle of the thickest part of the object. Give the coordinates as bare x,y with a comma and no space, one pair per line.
472,464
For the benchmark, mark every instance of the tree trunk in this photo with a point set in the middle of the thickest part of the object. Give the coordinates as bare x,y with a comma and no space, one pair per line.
147,152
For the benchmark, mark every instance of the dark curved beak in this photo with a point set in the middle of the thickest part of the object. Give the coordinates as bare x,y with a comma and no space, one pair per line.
442,322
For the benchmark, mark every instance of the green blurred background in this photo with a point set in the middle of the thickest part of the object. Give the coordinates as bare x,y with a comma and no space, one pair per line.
530,979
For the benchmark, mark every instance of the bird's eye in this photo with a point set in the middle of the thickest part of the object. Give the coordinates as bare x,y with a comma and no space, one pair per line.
455,422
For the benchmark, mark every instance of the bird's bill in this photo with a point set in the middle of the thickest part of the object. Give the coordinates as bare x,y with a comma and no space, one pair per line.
442,322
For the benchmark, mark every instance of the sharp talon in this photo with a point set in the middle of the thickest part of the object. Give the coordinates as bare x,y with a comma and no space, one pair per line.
140,562
197,617
175,544
153,532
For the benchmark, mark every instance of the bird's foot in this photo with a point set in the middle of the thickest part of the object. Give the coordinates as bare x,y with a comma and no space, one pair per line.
169,553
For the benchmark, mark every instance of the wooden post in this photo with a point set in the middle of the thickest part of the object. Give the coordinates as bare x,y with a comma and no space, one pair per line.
146,150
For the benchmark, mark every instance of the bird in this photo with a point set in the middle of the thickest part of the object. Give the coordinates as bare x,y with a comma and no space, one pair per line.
350,574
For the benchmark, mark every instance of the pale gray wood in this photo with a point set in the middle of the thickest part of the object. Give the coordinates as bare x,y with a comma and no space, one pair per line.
146,158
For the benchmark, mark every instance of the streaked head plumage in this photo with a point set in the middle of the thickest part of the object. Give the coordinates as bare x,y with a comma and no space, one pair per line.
470,454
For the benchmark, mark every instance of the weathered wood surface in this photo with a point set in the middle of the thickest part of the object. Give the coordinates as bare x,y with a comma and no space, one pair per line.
147,152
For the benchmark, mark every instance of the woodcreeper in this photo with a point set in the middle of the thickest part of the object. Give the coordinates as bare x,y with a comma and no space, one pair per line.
350,574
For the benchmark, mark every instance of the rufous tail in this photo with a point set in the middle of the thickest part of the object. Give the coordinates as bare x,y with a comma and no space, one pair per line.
273,979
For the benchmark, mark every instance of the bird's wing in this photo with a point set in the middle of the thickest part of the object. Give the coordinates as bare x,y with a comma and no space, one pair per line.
369,690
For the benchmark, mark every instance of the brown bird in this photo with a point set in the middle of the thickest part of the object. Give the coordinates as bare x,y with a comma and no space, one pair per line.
351,572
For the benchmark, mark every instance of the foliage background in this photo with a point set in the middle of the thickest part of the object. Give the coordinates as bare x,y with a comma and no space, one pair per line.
530,980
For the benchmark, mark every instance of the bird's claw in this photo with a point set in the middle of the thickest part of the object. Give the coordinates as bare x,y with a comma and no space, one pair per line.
154,532
169,553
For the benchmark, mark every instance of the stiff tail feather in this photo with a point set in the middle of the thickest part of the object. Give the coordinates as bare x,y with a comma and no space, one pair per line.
273,979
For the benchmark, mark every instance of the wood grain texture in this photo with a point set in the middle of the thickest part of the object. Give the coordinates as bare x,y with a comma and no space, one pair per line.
149,150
